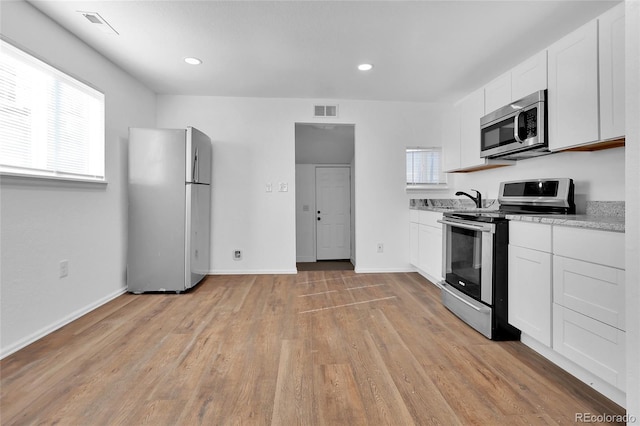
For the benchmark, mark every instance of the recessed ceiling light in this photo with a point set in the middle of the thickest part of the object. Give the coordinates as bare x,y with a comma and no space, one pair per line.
193,61
365,67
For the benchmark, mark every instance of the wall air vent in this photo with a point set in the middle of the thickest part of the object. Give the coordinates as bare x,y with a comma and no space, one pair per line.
98,22
325,110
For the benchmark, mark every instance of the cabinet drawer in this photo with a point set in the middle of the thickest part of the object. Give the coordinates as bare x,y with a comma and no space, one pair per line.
534,236
603,247
591,344
430,218
594,290
414,215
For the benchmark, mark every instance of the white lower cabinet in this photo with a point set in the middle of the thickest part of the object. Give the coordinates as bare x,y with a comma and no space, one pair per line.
413,243
589,299
426,243
567,296
596,291
530,292
593,345
433,251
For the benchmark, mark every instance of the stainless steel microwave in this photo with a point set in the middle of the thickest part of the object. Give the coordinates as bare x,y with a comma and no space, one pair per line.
516,131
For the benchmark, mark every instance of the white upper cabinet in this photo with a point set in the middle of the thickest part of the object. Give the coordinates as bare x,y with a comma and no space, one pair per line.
523,80
573,89
497,93
461,136
529,77
471,110
586,83
451,139
611,44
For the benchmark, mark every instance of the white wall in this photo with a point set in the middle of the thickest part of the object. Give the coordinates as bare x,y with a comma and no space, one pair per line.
598,175
44,222
305,225
254,143
632,227
333,145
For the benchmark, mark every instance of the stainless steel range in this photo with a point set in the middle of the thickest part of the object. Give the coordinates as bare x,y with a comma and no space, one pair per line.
475,252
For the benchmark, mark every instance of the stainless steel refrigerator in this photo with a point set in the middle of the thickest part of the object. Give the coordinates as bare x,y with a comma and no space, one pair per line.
169,209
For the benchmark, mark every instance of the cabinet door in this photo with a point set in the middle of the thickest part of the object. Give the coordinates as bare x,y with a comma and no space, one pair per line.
529,77
595,346
573,89
423,246
414,243
497,93
596,291
451,139
611,43
472,109
530,292
433,255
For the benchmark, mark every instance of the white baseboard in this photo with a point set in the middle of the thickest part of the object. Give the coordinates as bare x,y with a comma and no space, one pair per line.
59,324
253,272
606,389
382,270
434,280
306,259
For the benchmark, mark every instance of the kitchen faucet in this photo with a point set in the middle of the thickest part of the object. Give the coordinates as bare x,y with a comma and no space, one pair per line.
477,200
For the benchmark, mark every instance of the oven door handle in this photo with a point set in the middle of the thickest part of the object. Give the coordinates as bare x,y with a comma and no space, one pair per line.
465,225
444,287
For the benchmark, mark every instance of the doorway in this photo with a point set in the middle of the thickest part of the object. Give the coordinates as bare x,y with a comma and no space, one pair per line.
325,196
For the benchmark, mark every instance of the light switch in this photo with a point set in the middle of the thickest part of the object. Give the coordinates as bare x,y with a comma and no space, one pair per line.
283,187
268,187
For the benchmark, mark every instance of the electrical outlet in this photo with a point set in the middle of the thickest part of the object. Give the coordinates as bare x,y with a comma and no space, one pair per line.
268,187
380,247
237,255
64,268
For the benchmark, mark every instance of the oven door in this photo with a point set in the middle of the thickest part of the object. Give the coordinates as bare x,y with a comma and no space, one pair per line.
467,264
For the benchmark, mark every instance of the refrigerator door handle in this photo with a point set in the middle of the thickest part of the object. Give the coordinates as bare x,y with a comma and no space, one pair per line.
196,173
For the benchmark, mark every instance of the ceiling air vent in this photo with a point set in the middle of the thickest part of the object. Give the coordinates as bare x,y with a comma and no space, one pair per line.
98,22
325,110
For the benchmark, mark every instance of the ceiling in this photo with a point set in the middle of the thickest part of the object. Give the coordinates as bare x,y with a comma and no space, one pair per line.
426,51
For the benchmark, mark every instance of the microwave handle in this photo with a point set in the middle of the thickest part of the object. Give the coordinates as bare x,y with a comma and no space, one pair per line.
516,136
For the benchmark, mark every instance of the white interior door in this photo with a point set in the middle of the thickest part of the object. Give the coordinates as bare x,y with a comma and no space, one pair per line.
333,213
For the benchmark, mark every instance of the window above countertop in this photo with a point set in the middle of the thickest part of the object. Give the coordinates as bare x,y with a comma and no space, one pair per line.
424,169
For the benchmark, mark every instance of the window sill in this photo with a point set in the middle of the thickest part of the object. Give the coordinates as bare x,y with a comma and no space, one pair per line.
22,178
427,187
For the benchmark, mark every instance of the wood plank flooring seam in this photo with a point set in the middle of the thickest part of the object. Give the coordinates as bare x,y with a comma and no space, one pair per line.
346,305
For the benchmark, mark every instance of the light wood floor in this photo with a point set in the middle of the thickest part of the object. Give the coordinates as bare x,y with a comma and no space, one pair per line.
316,348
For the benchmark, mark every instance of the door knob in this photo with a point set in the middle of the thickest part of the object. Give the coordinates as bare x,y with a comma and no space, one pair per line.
318,218
318,211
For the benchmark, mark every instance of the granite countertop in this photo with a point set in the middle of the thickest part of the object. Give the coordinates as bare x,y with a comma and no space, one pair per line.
447,205
605,223
603,215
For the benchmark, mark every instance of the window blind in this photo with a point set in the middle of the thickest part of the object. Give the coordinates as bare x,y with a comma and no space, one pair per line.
51,124
424,166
